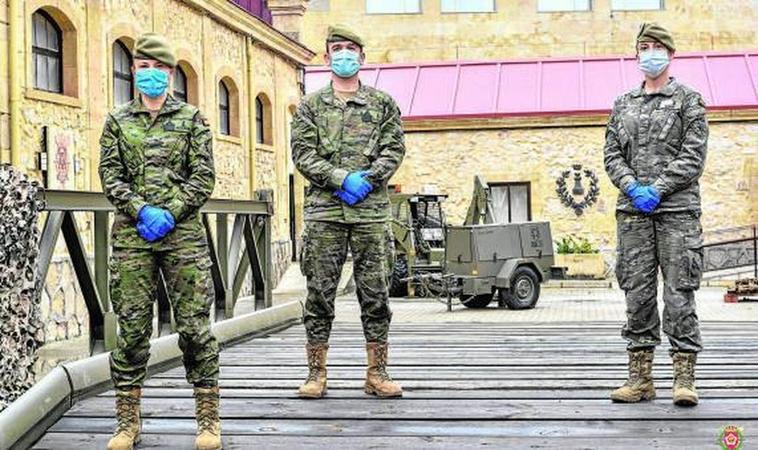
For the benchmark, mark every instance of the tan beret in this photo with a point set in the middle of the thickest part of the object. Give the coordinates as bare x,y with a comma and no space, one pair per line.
651,31
340,32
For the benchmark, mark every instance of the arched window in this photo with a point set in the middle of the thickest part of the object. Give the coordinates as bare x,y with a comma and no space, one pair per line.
224,110
260,133
263,130
123,81
47,53
180,84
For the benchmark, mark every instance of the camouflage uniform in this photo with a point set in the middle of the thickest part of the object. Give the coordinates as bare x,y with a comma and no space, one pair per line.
331,138
167,162
659,139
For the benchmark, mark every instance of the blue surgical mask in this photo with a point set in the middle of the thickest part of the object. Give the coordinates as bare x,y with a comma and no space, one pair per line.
151,82
654,62
345,63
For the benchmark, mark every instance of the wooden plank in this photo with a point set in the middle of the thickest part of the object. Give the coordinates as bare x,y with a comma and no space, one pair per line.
56,441
428,427
493,394
446,409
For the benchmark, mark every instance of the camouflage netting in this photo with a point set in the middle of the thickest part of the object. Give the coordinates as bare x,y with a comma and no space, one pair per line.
21,329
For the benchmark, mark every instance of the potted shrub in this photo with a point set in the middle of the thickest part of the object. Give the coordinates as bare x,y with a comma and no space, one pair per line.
581,259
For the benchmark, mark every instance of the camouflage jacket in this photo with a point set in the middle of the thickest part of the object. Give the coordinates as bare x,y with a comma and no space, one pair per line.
166,162
331,138
659,139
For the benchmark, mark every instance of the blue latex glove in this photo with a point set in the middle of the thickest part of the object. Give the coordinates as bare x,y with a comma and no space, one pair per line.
356,185
346,197
154,223
646,199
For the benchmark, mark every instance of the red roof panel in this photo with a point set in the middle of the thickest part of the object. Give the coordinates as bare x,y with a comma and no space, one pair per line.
547,86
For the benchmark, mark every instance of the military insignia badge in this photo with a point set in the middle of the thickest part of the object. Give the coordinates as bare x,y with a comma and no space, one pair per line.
731,438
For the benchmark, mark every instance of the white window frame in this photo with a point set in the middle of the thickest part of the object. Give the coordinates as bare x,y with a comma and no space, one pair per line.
460,8
661,6
404,9
541,9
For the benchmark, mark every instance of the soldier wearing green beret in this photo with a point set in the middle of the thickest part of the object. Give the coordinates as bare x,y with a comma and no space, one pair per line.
655,151
156,167
347,140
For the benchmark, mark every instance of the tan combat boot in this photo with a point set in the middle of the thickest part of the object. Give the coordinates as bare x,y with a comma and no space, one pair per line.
639,386
315,384
685,393
128,415
208,421
378,382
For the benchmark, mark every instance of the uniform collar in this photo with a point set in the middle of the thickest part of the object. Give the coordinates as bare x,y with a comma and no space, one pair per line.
667,90
360,97
169,106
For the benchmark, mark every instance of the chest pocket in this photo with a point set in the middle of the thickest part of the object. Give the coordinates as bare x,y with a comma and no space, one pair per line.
329,125
364,124
132,152
177,145
668,123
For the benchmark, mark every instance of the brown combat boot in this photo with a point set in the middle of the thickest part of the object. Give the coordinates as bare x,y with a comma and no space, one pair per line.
128,415
378,382
685,393
639,386
208,420
315,384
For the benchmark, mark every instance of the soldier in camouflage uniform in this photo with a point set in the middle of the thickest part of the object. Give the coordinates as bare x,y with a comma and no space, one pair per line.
347,140
655,152
156,167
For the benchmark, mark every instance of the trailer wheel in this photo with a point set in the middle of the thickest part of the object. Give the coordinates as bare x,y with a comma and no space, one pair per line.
477,301
399,288
524,291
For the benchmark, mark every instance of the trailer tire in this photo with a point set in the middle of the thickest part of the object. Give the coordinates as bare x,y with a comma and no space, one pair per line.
399,288
524,291
477,301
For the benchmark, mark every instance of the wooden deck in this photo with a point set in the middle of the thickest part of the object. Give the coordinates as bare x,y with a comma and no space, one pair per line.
467,386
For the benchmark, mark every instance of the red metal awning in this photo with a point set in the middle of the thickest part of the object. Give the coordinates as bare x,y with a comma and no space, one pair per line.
550,86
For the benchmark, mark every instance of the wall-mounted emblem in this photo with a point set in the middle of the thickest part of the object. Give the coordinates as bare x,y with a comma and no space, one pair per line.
578,197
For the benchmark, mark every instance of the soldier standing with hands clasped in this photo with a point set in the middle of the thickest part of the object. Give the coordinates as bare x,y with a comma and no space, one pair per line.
347,141
655,151
156,167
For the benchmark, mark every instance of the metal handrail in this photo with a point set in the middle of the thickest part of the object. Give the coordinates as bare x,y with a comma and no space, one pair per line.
248,247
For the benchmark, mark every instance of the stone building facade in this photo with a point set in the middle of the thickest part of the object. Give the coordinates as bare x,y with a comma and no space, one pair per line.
535,148
217,43
522,28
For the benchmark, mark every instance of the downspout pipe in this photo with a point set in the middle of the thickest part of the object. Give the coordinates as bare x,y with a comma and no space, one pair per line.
15,75
251,113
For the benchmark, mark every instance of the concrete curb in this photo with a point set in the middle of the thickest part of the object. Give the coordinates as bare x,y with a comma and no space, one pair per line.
26,419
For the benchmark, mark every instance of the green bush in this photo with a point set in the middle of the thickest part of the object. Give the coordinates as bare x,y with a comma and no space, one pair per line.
573,245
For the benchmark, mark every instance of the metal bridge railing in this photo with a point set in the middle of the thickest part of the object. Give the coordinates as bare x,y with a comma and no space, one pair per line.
248,247
732,253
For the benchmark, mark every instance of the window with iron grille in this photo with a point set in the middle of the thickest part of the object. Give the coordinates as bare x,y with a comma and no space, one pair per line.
636,5
47,53
123,81
393,6
563,5
468,6
260,135
223,107
180,84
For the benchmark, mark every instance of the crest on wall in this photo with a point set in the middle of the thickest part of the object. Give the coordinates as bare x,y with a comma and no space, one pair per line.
578,198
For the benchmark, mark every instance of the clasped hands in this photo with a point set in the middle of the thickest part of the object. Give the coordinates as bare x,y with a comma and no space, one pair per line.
644,197
355,188
154,223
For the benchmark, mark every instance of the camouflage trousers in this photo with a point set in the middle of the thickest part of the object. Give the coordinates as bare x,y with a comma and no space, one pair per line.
324,252
673,242
134,280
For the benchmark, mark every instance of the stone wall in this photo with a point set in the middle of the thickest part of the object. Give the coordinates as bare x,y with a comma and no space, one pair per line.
451,159
211,44
517,29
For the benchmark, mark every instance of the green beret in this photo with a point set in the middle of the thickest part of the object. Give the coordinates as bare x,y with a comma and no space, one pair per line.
342,33
154,46
651,31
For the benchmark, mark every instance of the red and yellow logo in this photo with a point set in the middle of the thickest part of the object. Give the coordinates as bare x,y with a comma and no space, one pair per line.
731,438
